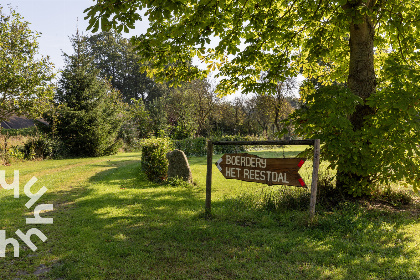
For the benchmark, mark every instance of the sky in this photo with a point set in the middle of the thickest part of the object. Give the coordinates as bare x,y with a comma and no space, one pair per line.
57,20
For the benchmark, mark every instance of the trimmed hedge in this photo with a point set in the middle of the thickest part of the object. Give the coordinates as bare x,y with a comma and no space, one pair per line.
219,149
154,162
192,146
153,158
198,146
29,131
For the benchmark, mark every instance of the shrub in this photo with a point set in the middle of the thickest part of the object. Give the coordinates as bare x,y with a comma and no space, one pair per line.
153,159
192,146
42,147
219,149
327,195
223,149
9,154
128,135
15,152
37,148
29,131
198,146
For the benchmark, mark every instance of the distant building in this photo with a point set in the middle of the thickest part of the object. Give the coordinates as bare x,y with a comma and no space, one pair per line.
16,122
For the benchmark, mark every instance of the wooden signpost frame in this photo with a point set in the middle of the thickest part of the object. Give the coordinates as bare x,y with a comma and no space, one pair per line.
315,143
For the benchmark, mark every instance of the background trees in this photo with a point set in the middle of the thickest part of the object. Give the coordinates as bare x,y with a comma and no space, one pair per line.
105,70
190,109
25,78
118,62
90,111
350,42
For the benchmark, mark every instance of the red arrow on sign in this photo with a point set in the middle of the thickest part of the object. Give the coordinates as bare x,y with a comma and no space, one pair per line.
270,171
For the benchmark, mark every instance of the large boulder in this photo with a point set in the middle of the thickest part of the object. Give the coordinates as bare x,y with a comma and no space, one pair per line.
178,166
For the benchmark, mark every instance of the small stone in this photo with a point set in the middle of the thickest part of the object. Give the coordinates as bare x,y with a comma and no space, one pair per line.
178,166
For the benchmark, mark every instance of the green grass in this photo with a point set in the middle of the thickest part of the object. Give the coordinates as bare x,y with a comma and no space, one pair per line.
110,223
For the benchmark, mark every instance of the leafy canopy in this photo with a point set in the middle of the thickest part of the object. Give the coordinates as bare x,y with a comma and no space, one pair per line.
25,79
280,38
117,61
89,112
371,136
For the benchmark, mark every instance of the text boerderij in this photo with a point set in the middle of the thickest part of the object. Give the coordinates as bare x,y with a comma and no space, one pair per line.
252,168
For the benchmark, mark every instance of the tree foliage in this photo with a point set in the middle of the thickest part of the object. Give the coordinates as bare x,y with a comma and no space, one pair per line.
268,38
90,111
193,110
141,118
353,43
118,62
189,107
25,78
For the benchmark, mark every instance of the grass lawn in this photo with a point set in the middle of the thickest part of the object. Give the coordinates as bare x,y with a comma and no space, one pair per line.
110,223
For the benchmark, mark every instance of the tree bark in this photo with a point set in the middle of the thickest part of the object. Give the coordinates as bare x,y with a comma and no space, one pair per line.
361,80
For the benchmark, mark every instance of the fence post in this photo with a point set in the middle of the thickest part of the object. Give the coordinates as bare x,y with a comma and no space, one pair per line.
314,184
209,175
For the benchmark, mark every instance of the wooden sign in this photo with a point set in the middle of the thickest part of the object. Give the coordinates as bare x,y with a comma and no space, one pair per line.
270,171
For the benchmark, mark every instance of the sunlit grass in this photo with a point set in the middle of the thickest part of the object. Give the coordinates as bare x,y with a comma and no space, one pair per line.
110,223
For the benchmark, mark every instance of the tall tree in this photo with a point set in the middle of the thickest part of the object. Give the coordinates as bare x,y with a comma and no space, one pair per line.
281,102
205,100
180,106
117,61
90,111
25,77
351,42
239,105
261,108
157,110
140,119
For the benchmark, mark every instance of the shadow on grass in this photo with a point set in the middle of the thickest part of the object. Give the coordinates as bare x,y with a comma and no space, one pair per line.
122,227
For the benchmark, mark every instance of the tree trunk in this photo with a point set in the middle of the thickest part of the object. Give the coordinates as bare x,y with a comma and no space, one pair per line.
361,81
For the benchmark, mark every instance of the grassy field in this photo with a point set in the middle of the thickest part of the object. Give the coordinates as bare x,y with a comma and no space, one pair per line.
110,223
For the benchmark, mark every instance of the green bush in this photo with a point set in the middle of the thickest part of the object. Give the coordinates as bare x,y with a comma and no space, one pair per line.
153,159
43,147
192,146
15,152
29,131
37,148
10,154
223,149
198,146
219,149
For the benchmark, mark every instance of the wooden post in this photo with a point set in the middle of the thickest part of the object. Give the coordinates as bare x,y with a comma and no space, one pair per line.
209,175
317,149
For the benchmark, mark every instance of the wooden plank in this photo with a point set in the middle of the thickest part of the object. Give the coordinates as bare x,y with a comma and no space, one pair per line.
270,171
314,185
209,177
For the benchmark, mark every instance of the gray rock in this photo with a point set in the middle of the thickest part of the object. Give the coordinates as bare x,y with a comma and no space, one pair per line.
178,166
